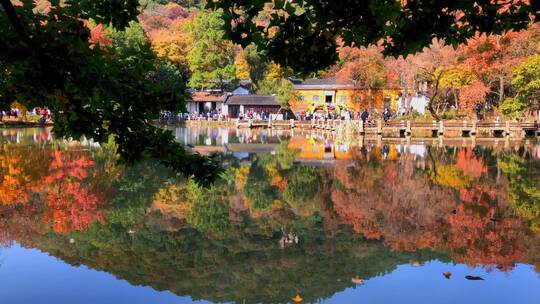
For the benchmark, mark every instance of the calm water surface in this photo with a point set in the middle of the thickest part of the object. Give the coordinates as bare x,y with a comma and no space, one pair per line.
294,216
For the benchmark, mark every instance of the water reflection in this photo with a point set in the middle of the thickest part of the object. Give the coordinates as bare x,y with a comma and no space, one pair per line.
315,216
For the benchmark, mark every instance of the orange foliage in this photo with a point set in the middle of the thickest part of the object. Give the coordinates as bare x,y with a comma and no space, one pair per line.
97,37
469,164
472,94
14,181
71,205
471,222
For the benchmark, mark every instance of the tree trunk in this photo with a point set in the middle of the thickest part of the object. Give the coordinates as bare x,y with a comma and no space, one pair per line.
501,89
14,19
432,111
369,98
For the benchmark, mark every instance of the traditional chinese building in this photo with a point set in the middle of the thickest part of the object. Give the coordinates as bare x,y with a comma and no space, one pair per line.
332,93
240,104
205,101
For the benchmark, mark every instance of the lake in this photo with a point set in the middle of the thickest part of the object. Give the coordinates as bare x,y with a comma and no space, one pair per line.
294,217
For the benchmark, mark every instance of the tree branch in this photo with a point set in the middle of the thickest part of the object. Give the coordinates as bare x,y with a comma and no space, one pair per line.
15,21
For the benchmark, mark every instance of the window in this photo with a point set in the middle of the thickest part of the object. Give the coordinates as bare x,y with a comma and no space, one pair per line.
358,99
316,98
342,99
302,98
328,98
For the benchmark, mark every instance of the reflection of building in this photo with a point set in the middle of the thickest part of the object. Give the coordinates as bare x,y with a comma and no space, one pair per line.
335,93
315,149
205,101
237,104
311,149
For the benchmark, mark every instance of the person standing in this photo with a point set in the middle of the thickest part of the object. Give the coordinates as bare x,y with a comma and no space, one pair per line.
364,116
386,115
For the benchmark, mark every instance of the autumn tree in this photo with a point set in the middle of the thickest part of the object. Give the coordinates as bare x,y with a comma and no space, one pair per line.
363,67
454,78
164,26
473,94
242,67
427,65
494,57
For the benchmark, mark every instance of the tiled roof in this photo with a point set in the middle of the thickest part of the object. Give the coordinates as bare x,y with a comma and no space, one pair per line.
322,83
252,100
207,96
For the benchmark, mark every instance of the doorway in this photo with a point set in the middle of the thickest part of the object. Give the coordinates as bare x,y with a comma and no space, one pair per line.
328,99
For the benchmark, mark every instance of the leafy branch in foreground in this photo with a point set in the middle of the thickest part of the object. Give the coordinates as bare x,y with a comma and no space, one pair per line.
49,59
303,34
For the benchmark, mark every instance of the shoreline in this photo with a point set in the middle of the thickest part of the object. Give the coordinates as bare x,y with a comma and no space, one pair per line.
23,124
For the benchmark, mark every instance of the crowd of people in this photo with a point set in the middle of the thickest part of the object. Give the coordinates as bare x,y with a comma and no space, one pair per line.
43,112
13,113
344,114
364,115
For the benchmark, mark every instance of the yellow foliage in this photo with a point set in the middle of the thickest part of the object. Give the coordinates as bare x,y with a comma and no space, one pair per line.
172,200
455,76
242,67
13,179
171,44
19,106
393,154
275,73
452,177
241,177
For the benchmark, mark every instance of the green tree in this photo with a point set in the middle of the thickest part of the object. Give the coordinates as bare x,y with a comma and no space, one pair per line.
210,211
211,58
523,188
258,187
276,82
257,64
526,83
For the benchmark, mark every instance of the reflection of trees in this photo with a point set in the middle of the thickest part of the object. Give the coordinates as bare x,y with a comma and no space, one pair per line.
458,209
524,191
71,206
259,188
222,243
19,168
59,184
241,269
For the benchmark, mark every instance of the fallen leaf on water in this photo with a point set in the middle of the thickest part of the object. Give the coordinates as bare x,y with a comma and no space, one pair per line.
297,299
447,274
473,278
